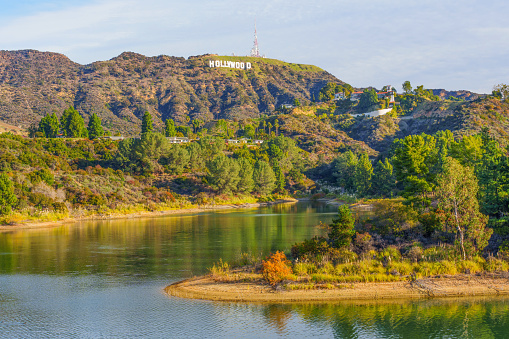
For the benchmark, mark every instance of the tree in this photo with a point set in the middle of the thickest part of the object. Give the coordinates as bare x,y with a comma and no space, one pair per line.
95,128
414,157
384,182
502,90
196,124
169,128
296,102
362,175
176,160
146,124
280,178
368,98
7,197
344,169
246,182
264,178
459,208
49,126
407,87
341,230
73,124
223,174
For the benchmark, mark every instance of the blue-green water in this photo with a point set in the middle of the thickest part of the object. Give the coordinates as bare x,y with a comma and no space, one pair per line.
105,279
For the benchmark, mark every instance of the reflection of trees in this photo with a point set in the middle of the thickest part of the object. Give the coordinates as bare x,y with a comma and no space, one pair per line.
418,319
277,317
172,246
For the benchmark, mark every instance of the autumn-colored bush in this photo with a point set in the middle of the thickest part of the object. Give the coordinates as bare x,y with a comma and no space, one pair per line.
276,268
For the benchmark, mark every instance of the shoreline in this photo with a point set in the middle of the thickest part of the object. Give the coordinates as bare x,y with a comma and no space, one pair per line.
457,286
145,214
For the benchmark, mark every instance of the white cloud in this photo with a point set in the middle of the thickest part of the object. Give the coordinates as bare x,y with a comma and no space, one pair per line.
448,44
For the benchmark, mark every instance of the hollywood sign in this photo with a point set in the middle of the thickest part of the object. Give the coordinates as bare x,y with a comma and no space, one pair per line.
230,64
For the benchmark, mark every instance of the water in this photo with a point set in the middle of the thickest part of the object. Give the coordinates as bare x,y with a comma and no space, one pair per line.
105,279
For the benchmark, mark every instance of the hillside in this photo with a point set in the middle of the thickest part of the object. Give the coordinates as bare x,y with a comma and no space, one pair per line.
120,90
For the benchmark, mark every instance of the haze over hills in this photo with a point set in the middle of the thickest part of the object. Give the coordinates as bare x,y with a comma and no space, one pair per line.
119,91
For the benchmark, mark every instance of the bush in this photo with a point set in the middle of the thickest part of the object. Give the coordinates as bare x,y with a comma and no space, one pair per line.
276,268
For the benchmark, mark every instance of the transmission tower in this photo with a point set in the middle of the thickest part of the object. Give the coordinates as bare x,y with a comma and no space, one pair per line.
255,51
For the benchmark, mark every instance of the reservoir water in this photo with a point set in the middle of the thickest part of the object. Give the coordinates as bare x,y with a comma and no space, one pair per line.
105,279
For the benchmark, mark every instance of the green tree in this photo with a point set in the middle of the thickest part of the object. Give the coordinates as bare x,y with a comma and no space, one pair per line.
414,157
459,208
344,170
264,178
146,124
169,128
7,197
368,98
73,124
176,159
296,102
246,182
280,179
95,128
49,126
362,175
407,87
341,230
197,123
223,174
383,182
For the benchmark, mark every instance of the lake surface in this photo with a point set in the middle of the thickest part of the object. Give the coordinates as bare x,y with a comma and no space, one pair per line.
105,279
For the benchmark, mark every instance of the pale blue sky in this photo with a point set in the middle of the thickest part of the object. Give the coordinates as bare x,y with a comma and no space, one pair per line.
436,43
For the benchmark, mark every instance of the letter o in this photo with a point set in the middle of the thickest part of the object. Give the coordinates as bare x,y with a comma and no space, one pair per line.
242,65
237,64
218,63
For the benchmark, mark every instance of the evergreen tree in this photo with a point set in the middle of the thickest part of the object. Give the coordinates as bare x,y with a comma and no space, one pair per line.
49,126
344,170
341,230
264,178
95,128
146,124
383,182
280,179
223,174
362,175
7,197
246,182
169,128
73,124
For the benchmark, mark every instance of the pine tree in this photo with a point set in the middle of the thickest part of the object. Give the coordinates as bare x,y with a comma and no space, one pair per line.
169,128
146,125
246,182
341,230
280,178
362,175
95,128
73,124
49,126
264,178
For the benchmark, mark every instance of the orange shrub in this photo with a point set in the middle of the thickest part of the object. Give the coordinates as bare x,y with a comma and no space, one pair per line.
276,268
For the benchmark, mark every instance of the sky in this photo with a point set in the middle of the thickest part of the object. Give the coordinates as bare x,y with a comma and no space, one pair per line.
456,45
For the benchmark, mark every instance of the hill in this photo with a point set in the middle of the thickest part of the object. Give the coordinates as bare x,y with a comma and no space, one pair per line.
120,90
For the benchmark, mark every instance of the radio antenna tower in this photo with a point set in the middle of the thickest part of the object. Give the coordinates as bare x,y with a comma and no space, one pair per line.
255,51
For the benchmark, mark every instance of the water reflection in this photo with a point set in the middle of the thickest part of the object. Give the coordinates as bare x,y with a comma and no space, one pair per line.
105,279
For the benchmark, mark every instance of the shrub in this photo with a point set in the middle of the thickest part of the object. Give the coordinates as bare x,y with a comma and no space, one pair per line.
276,268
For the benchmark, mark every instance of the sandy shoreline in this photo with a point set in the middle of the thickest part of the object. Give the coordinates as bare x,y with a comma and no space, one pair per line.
461,285
147,214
